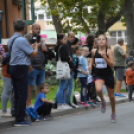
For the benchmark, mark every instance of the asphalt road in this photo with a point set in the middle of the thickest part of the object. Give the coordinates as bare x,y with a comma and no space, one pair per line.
87,122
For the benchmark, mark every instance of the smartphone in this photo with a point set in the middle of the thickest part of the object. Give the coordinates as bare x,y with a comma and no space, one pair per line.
34,39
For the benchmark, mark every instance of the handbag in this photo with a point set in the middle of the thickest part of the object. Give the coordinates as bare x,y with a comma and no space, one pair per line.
62,68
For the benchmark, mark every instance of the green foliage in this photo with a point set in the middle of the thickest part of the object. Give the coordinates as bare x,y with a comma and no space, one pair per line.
50,73
81,18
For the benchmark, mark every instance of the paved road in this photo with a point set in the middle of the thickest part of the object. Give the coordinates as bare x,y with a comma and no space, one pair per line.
88,122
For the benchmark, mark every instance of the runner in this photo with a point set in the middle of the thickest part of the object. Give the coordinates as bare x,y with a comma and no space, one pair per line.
104,61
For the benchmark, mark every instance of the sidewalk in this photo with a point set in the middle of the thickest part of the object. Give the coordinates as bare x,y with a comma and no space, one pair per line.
6,122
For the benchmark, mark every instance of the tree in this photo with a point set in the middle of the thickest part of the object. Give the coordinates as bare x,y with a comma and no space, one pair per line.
129,17
104,13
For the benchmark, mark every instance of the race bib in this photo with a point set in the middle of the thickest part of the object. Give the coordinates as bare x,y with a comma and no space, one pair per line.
100,63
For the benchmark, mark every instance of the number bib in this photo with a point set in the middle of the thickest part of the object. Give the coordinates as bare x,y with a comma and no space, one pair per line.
100,63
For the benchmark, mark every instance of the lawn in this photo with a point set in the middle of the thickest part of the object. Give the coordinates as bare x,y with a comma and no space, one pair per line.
52,93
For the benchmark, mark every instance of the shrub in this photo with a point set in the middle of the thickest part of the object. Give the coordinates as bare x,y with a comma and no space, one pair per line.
50,73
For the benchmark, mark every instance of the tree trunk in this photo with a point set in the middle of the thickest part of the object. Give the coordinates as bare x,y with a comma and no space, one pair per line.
56,18
129,24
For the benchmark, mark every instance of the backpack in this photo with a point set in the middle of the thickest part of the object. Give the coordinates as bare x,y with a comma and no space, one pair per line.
32,113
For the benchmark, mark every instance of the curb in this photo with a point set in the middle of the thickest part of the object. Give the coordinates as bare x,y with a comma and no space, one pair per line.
8,124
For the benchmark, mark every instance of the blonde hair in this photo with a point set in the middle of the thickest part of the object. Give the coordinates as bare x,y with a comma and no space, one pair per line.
85,48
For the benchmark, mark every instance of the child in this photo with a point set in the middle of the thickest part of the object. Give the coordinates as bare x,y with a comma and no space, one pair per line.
42,105
83,74
104,61
77,52
130,80
89,86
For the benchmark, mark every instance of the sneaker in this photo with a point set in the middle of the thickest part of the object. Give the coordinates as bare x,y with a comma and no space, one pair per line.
97,100
91,101
6,115
115,94
113,118
20,124
86,104
81,103
130,101
103,107
66,106
74,105
48,117
60,106
121,95
39,118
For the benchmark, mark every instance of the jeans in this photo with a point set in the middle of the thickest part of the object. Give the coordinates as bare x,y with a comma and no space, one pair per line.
19,75
83,81
66,84
6,93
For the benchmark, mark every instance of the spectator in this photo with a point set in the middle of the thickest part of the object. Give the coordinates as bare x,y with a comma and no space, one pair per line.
7,86
66,55
42,105
130,80
76,52
119,65
37,76
130,58
60,37
20,52
83,74
90,43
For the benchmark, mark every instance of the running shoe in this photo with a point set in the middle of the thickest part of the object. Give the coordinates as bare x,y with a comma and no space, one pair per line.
86,104
121,95
113,118
73,105
115,94
81,103
103,107
20,124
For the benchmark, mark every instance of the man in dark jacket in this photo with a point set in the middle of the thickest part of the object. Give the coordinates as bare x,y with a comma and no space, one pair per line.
37,75
66,55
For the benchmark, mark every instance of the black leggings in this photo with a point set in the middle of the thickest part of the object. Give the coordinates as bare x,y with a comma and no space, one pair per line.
45,109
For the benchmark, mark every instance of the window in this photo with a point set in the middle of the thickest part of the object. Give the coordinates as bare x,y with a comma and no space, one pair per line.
115,35
48,16
40,16
119,34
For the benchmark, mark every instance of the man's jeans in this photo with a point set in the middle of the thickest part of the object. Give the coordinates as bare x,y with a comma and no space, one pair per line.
65,85
19,75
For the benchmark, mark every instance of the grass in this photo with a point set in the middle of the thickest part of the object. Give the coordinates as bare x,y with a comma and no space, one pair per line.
52,93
